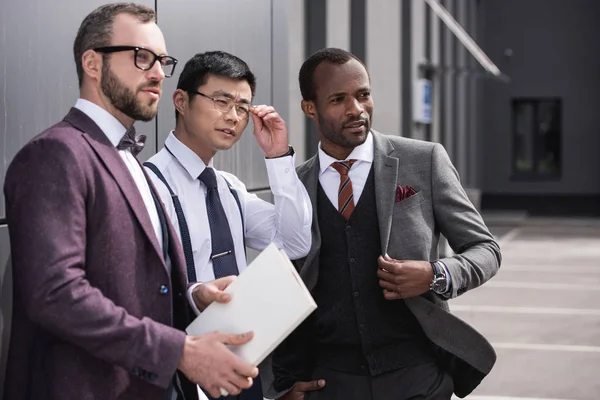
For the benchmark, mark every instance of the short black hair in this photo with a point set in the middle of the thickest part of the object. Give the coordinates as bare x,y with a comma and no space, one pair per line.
307,71
218,63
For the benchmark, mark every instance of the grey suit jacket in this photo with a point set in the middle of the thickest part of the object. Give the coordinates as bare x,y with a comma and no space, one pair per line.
410,230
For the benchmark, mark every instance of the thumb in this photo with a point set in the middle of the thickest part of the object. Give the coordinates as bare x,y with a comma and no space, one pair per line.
237,339
211,292
309,386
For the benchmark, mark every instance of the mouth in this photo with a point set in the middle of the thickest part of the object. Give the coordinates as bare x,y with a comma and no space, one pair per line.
356,125
228,132
154,92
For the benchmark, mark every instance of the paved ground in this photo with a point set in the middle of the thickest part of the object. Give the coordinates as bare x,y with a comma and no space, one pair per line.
542,311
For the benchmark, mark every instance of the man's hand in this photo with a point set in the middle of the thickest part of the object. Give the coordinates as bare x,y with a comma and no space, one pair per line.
403,279
270,131
206,293
207,362
297,392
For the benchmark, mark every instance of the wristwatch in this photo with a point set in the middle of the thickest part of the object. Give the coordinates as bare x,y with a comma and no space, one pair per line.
440,281
290,152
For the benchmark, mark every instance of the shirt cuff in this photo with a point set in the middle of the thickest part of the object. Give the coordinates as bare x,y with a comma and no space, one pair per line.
191,298
448,291
281,172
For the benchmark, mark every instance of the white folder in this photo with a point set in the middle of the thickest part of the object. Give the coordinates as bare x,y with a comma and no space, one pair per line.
268,298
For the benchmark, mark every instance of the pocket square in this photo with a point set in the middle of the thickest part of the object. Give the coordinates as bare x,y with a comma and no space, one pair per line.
403,193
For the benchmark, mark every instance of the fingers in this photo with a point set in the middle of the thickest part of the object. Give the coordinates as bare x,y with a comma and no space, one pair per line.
388,285
262,110
236,339
309,386
214,392
229,389
236,383
392,295
209,292
224,282
393,278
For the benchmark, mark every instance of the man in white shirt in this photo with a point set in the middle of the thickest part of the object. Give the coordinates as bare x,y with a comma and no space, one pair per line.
99,275
213,104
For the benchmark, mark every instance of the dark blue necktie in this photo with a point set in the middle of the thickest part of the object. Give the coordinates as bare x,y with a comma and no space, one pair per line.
223,252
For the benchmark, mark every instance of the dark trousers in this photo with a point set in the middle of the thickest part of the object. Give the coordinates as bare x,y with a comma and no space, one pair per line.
419,382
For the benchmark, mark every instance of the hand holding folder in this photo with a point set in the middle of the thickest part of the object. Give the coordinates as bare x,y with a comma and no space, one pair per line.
267,298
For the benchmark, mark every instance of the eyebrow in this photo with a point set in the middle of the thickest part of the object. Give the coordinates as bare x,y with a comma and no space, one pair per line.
229,96
362,89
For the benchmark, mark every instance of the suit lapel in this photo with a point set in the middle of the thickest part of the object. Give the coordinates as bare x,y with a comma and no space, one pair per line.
114,164
309,176
386,176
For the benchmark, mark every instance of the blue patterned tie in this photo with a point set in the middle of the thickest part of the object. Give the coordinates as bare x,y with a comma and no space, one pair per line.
223,252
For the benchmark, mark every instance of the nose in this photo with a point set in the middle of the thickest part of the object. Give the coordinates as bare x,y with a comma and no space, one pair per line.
156,73
354,108
232,115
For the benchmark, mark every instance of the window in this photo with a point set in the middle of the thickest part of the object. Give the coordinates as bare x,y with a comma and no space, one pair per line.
536,138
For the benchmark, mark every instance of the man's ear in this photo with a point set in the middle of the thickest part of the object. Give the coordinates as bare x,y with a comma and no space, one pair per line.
91,62
180,101
309,109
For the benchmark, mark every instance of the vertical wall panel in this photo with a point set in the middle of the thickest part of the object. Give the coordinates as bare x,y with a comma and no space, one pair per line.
449,85
288,55
240,27
418,39
474,148
462,111
384,63
38,81
436,60
338,24
315,19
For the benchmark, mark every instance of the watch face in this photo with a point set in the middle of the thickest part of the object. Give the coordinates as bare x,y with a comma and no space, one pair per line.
439,285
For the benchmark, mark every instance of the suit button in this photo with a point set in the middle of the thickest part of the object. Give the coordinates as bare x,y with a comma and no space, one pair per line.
348,228
164,289
352,260
355,294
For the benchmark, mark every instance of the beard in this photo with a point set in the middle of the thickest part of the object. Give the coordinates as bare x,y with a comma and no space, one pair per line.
124,99
334,131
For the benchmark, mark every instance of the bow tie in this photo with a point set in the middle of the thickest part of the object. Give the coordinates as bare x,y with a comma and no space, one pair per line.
132,142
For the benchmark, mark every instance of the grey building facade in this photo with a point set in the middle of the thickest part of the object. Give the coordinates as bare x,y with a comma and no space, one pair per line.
527,143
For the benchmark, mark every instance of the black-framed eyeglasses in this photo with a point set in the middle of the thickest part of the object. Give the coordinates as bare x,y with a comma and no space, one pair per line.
225,105
143,58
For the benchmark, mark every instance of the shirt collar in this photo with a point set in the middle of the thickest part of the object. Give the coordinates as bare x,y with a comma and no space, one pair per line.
112,127
363,152
186,157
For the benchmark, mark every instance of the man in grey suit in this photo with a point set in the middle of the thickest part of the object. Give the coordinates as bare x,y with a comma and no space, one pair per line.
382,329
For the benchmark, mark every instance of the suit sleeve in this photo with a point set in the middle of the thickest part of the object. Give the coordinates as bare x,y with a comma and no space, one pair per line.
47,192
477,255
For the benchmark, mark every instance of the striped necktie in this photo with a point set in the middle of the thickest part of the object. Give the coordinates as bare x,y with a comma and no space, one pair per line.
345,193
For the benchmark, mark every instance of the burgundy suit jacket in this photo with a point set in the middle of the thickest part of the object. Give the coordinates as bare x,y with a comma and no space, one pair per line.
93,301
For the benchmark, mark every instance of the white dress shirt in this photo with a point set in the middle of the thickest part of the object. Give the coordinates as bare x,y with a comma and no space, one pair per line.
287,223
114,131
329,178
